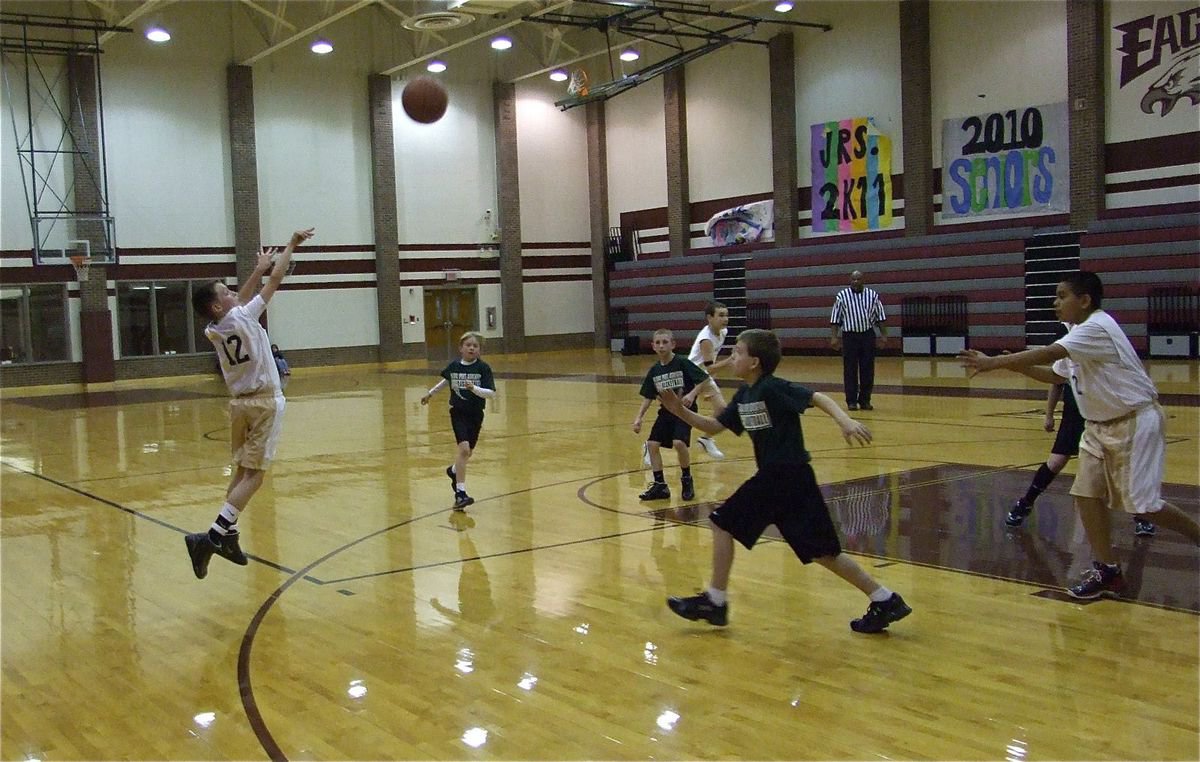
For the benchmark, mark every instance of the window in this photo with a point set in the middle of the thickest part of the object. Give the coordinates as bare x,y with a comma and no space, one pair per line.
33,323
156,318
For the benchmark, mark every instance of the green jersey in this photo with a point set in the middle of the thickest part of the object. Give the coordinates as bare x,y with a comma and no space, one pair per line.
458,373
770,410
680,375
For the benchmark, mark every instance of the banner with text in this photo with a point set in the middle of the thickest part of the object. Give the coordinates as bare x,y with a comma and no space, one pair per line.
851,176
1014,162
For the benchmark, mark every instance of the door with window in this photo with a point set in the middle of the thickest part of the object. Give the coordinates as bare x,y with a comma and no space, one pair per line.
449,313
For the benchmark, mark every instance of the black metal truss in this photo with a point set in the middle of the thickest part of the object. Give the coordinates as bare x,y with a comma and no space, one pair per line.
664,19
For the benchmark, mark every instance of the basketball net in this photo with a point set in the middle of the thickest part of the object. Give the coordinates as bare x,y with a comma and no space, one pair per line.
81,264
578,84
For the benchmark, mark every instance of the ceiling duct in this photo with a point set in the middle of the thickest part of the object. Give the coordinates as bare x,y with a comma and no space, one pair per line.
437,21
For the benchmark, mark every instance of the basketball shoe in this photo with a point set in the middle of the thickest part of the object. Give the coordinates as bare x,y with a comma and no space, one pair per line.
710,447
1020,511
700,607
656,491
880,615
1100,581
230,549
689,488
200,549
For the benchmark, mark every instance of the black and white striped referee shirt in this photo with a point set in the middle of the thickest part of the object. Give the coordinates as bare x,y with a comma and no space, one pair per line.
857,312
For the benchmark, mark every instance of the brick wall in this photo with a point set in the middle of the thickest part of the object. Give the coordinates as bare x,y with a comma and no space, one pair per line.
1085,104
508,205
85,113
87,167
41,374
915,87
679,223
383,214
247,236
597,148
784,180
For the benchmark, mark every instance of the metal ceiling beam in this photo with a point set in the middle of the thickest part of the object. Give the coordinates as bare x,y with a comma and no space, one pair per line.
137,13
305,32
51,42
280,7
469,40
405,17
107,9
37,21
556,41
594,53
279,20
608,90
635,12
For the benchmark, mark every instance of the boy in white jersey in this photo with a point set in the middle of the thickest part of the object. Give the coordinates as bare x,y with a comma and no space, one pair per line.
704,353
1123,446
256,411
1066,446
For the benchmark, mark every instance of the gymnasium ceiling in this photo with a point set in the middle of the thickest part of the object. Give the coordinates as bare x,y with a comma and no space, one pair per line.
553,33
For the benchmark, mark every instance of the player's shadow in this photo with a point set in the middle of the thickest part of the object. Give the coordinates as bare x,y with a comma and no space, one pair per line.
475,603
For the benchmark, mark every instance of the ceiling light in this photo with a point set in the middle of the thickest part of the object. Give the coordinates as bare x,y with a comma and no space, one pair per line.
559,75
783,7
436,67
322,46
501,43
157,34
629,54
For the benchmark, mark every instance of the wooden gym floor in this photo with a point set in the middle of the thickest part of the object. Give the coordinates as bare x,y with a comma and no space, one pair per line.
373,623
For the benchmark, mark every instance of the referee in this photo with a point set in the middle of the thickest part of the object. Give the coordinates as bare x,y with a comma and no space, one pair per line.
857,312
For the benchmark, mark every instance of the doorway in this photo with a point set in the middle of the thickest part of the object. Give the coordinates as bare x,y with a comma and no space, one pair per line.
449,313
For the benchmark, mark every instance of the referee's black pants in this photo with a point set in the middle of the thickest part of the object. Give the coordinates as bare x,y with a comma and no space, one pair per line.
858,366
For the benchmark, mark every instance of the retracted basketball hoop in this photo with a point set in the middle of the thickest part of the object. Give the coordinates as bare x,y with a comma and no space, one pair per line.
578,84
81,264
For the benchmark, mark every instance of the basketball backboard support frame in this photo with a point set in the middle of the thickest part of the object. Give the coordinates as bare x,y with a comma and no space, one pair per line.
59,141
59,237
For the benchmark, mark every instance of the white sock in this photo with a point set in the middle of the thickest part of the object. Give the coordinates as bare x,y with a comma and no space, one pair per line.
881,594
716,596
226,522
461,487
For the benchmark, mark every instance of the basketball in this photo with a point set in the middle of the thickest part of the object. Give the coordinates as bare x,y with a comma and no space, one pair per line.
424,100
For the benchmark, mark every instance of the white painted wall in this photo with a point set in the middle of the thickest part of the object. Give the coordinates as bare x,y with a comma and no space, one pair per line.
446,171
488,295
729,140
1124,117
310,319
558,307
552,156
637,153
992,56
413,299
851,71
167,132
552,159
1012,53
313,145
